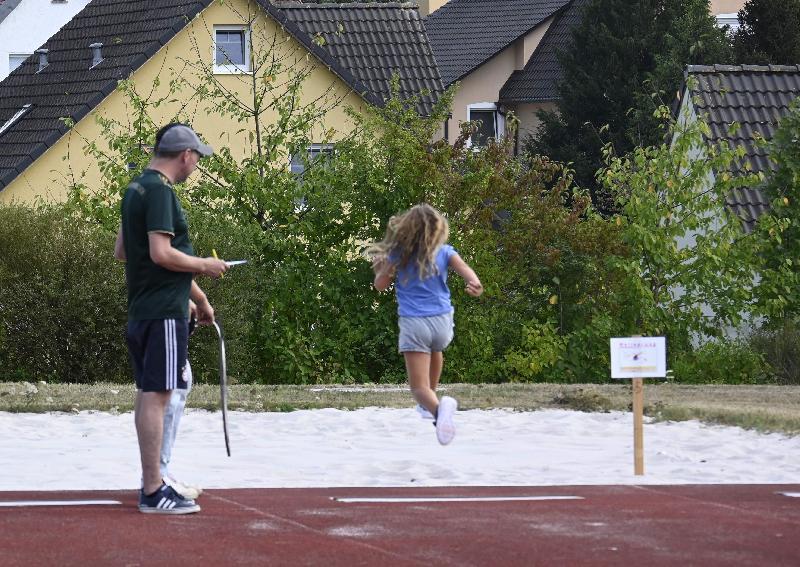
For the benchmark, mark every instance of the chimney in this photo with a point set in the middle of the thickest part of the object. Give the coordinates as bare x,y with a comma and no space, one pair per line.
428,7
42,59
97,55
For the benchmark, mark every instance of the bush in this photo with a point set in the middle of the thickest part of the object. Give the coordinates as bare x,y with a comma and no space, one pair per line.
780,348
62,299
722,362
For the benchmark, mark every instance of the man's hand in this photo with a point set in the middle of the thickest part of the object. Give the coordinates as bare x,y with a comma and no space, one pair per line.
213,267
204,313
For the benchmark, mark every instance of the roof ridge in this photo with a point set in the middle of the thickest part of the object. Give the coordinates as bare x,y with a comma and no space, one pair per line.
745,68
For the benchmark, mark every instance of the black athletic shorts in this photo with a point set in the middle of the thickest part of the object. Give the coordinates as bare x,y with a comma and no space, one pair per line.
158,350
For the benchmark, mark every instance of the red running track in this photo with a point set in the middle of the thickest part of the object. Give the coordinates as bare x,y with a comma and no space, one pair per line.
704,525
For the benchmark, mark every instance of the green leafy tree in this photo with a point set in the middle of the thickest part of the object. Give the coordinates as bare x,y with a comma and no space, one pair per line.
780,228
691,269
622,53
769,32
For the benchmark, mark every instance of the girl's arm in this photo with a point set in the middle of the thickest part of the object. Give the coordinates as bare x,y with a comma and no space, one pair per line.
474,286
384,273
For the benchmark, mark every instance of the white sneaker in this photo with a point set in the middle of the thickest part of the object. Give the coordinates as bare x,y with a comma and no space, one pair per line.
423,413
445,428
188,491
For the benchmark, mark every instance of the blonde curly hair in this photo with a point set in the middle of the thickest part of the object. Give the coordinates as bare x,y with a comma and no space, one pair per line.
413,238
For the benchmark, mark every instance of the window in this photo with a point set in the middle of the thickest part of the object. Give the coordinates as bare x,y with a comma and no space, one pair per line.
231,49
16,59
14,119
314,152
491,123
730,20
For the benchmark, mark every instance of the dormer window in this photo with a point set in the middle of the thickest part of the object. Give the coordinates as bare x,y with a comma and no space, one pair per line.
231,49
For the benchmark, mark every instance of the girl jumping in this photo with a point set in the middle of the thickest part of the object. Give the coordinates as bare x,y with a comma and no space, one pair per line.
415,255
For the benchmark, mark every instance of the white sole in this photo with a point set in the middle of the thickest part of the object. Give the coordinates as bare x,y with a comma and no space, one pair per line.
445,427
173,512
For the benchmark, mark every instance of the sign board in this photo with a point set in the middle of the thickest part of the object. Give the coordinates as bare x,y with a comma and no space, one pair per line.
639,357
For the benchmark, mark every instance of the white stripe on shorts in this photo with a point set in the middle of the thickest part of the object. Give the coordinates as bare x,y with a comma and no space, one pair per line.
170,355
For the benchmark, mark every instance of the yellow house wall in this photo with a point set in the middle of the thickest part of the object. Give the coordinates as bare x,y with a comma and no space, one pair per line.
485,82
528,121
726,6
48,176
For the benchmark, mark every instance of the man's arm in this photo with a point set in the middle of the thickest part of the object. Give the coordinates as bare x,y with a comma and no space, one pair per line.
163,254
205,313
119,247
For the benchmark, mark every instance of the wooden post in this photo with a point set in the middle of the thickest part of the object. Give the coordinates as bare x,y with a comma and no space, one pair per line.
638,430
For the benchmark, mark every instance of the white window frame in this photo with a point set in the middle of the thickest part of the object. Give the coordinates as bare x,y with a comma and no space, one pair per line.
14,119
320,148
24,56
231,69
499,122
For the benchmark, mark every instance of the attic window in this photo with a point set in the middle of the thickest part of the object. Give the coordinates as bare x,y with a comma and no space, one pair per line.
16,59
14,119
231,49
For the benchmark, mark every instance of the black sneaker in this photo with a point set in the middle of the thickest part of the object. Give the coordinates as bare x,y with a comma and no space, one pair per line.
166,501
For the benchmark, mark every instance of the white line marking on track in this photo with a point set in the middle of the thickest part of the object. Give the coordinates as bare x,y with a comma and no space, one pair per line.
455,499
27,503
790,494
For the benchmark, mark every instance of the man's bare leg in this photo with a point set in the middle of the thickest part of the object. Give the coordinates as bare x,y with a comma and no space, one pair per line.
149,419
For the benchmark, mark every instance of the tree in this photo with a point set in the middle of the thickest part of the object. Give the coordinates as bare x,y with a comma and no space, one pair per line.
691,270
769,32
780,227
625,56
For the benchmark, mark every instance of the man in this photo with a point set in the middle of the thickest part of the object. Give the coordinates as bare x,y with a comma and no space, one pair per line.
153,240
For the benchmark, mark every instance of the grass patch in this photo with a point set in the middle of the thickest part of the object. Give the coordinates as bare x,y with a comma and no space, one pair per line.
762,408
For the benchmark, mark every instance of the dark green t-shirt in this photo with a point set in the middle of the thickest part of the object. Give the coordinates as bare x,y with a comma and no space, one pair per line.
150,205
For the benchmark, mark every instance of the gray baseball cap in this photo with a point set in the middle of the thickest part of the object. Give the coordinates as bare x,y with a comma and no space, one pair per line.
179,138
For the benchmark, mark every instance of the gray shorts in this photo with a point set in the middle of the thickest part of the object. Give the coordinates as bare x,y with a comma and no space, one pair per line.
425,334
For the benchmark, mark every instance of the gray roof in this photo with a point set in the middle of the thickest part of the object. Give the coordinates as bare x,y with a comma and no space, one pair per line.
6,6
464,34
373,41
68,88
539,80
755,97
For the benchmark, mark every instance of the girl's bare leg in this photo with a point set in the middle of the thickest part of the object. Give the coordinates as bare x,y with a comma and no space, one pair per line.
437,362
419,368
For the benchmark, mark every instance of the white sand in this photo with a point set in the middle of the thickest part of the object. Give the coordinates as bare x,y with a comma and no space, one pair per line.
390,447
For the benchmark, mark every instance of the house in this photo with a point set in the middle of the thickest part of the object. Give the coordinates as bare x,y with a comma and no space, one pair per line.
483,45
727,12
27,24
49,105
535,87
504,55
754,97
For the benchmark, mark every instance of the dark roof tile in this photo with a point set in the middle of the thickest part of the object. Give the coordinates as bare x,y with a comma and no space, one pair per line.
132,31
539,80
464,34
373,41
755,98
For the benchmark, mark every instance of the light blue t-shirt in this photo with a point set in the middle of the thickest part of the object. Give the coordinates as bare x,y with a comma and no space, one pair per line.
428,297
